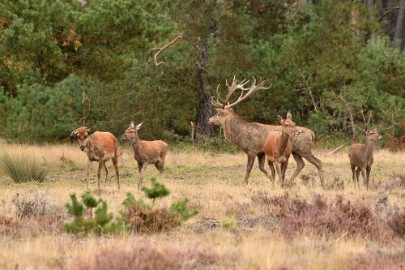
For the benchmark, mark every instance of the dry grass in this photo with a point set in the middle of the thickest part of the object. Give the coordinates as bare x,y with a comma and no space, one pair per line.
213,182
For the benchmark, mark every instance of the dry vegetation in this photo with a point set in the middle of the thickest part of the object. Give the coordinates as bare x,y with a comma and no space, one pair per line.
239,227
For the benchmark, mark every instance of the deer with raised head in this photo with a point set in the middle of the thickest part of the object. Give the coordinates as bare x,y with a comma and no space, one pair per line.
361,157
278,147
99,147
250,137
146,152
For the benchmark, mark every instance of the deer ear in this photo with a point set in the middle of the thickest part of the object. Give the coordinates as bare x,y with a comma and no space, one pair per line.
280,119
139,126
289,115
88,129
73,134
132,125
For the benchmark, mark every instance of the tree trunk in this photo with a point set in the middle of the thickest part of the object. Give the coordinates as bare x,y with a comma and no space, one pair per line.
203,129
397,42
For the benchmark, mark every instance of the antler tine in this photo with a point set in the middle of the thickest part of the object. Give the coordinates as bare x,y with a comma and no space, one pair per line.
219,102
253,88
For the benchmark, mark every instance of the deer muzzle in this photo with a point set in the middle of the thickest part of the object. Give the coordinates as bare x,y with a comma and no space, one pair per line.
82,147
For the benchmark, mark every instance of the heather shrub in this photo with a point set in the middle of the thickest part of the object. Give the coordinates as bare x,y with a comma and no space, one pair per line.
35,204
9,227
321,217
144,257
376,258
22,169
397,223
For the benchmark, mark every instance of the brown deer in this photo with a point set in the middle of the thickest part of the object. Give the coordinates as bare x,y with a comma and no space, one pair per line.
278,147
250,137
100,147
146,152
361,157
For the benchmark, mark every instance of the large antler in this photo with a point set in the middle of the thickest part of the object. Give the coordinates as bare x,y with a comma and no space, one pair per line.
222,103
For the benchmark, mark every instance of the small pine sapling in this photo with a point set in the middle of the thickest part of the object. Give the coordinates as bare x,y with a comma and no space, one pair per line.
157,190
181,210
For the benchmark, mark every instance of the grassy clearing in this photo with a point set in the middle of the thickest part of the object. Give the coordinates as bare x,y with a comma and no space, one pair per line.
213,183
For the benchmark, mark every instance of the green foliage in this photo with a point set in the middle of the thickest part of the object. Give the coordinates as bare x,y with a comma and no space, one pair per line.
181,210
100,224
228,224
157,190
65,63
22,169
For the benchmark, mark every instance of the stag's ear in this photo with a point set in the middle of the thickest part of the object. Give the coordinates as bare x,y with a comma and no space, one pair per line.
139,126
280,118
289,115
132,125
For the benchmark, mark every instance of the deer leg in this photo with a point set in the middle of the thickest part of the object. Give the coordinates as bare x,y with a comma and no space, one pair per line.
353,167
300,165
106,173
87,173
100,166
160,166
277,165
262,159
273,172
368,169
318,164
251,160
363,174
117,173
142,174
357,176
284,166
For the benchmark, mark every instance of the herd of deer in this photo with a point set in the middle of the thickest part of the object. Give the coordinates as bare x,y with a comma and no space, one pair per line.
272,142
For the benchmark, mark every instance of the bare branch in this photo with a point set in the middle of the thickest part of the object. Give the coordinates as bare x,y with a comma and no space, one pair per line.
161,49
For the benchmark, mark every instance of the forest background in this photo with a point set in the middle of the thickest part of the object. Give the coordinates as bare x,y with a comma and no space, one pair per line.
70,63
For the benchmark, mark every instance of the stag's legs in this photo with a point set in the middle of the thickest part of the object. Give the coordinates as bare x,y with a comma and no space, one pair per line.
117,173
262,159
300,165
251,160
318,164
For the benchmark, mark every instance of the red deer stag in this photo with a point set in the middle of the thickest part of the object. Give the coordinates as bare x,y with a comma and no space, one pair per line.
250,137
278,147
146,152
100,147
361,157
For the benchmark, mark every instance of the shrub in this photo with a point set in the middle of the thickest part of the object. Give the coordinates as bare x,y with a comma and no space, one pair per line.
143,256
376,258
101,223
9,227
22,169
397,223
321,217
33,203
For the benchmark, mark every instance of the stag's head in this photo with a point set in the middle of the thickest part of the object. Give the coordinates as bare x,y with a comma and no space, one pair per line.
373,135
288,125
81,134
132,132
223,106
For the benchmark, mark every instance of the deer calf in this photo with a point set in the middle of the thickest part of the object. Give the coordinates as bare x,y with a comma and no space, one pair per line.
278,147
146,152
361,156
100,147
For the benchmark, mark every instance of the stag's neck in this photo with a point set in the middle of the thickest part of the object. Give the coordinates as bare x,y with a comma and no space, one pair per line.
369,148
283,142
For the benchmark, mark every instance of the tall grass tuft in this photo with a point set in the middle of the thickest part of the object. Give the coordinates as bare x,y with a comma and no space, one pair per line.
22,169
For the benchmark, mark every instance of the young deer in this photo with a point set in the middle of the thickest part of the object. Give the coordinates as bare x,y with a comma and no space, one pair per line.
278,147
250,137
361,156
100,147
146,152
